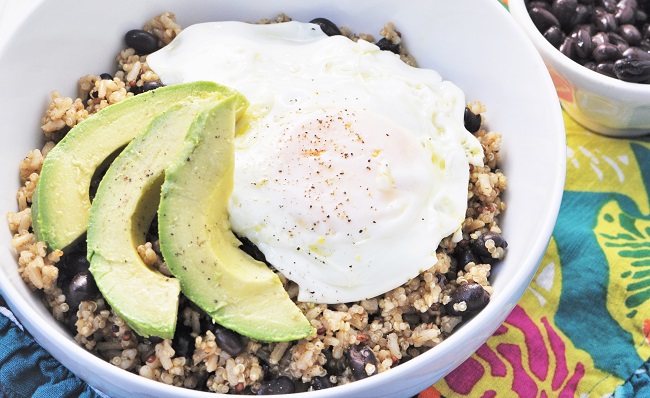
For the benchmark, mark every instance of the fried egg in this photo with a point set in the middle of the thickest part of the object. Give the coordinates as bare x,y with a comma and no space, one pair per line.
353,166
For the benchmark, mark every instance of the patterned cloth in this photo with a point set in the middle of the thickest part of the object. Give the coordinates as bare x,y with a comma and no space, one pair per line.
582,327
27,370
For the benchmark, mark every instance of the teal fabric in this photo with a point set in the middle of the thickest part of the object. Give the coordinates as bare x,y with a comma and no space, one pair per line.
27,370
637,386
582,290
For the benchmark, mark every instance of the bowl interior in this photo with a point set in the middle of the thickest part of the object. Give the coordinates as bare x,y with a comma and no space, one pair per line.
474,44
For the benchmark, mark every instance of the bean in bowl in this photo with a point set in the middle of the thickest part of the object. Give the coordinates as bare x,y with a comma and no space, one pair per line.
607,36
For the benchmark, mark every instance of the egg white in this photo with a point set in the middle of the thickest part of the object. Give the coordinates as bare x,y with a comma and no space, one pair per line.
354,165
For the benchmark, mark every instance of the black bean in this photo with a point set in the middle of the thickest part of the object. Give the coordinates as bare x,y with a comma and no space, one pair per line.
320,383
628,3
472,120
583,43
148,86
387,45
609,5
540,4
589,28
153,340
564,11
452,273
582,15
479,247
141,41
412,319
358,357
606,52
554,35
71,264
568,47
251,249
625,14
264,354
630,33
183,343
474,296
636,53
82,287
334,366
590,65
300,386
618,41
645,31
604,21
606,68
106,76
640,17
281,385
632,70
534,3
599,38
328,27
466,256
543,19
229,341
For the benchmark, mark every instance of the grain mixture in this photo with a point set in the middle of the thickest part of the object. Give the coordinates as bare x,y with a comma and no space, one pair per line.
353,340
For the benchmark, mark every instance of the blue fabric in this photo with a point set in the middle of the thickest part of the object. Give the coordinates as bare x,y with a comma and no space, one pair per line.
637,386
27,370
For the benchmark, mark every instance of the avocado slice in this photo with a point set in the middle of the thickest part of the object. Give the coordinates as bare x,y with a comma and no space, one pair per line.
61,202
124,206
237,291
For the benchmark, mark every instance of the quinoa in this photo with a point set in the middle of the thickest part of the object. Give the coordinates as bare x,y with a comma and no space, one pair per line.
393,327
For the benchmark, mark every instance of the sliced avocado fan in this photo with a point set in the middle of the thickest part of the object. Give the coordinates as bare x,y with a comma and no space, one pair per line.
61,201
124,206
237,291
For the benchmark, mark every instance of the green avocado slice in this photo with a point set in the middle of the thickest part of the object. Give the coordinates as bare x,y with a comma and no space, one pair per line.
124,206
237,291
61,202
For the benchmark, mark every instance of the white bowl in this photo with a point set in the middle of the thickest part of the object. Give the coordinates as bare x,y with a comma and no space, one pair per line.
600,103
475,44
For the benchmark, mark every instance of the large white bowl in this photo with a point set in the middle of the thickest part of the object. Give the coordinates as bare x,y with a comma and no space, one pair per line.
476,44
600,103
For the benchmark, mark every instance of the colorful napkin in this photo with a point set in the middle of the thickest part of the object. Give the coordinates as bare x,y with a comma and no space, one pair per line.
582,327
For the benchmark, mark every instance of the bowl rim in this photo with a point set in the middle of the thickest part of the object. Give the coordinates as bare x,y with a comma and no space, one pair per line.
520,13
504,301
